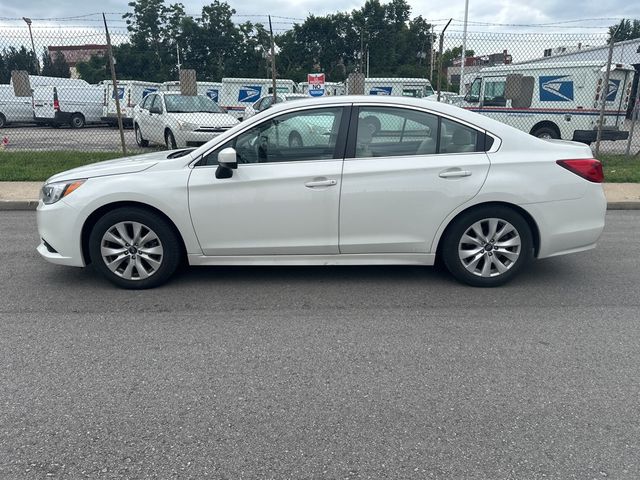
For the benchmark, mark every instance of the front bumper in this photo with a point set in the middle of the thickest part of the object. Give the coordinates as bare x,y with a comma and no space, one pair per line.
590,136
189,138
58,227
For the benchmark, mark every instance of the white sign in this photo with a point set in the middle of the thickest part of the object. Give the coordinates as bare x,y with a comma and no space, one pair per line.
316,84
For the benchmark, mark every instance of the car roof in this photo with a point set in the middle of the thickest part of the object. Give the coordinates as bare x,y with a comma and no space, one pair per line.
480,121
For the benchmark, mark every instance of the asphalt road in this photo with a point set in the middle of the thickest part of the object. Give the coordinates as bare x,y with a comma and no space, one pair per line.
322,373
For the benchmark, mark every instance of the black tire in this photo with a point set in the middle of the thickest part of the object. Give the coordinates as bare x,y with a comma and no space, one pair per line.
77,121
3,121
545,132
483,251
163,264
295,140
139,140
170,140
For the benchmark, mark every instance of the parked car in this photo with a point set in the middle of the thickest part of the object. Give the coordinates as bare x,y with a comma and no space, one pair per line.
395,181
266,101
177,120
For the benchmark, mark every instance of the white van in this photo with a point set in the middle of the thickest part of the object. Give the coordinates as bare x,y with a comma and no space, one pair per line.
41,81
130,93
238,93
14,109
63,105
554,100
210,89
397,87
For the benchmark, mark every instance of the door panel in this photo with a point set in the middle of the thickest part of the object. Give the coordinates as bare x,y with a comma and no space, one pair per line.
267,209
283,198
393,201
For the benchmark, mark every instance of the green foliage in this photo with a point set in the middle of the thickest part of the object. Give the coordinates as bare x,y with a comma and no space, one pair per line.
625,30
95,70
621,169
38,166
216,47
16,59
56,67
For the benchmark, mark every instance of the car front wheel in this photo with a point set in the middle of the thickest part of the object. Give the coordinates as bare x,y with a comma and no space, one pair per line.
139,140
134,248
170,140
488,246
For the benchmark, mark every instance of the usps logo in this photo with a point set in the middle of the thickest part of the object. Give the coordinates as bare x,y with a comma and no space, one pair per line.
212,93
249,94
147,91
614,86
380,91
120,93
556,89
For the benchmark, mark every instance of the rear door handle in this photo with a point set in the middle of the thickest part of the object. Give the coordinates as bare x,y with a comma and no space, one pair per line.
455,173
321,183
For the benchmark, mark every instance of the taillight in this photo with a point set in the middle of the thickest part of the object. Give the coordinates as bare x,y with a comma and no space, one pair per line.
588,168
56,103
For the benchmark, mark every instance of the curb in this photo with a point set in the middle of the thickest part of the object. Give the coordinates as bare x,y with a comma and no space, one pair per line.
16,205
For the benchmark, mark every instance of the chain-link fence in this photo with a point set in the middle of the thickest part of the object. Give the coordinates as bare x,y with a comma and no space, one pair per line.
548,84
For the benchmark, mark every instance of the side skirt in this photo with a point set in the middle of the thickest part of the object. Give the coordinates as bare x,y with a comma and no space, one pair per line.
351,259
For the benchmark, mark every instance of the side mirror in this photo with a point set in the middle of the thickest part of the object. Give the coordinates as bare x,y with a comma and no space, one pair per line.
227,163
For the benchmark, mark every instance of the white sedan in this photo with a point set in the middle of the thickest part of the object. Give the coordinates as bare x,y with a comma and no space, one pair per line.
177,120
267,101
390,180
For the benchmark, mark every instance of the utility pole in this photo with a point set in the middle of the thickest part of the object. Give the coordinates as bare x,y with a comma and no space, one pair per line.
33,45
115,86
464,46
273,61
433,52
440,57
178,55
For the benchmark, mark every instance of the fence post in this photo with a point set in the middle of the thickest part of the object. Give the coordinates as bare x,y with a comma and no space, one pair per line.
634,119
115,86
440,57
605,94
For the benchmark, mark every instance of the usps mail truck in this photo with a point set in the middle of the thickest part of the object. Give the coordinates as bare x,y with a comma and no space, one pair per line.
210,89
238,93
130,93
397,87
63,105
41,81
554,100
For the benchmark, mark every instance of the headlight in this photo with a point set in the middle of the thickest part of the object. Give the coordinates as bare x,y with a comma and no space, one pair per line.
187,125
52,192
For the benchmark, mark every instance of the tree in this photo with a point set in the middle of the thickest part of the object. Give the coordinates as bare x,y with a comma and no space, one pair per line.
56,67
625,30
95,70
16,59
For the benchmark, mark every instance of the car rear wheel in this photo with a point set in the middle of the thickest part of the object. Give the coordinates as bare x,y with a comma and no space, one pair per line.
488,246
139,140
77,120
545,132
170,140
134,248
3,121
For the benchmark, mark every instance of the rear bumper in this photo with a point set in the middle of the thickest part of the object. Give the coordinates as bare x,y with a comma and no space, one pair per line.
590,136
571,225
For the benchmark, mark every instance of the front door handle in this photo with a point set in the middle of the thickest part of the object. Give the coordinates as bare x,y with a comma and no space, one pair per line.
455,173
321,183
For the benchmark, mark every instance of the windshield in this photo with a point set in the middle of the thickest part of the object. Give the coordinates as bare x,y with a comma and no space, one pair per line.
188,104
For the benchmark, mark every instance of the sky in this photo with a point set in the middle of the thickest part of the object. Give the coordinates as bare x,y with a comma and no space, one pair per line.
560,19
488,11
